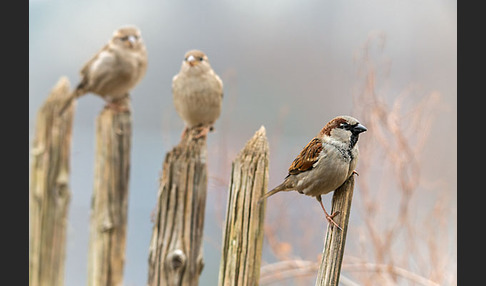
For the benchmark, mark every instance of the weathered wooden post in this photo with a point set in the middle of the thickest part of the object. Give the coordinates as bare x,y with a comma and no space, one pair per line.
243,235
175,254
109,205
332,255
49,191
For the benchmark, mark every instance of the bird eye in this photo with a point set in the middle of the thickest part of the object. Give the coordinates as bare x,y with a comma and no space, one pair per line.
124,38
344,125
201,59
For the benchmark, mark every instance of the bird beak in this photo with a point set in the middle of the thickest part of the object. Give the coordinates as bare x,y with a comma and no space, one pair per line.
191,60
359,128
132,40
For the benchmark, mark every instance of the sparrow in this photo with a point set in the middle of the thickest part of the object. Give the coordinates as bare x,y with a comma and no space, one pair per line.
197,93
115,69
325,163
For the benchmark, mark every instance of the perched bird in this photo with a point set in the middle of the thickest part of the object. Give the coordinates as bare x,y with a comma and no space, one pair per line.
325,163
115,69
197,92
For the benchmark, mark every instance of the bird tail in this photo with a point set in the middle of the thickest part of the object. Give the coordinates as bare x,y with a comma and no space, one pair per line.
282,187
75,94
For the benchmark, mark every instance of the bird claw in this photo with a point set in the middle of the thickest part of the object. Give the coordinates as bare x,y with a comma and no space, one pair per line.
329,217
355,173
203,131
116,107
331,221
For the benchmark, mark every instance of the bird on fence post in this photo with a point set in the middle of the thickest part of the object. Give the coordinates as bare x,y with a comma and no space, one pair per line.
325,163
115,69
197,93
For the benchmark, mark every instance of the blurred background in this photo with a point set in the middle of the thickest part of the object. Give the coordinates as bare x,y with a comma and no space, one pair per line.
290,66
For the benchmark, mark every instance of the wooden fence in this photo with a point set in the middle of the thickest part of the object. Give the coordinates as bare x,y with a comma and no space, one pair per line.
49,194
109,204
175,250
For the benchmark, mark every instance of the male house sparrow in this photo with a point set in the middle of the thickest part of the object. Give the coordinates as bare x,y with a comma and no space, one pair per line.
326,162
115,69
197,93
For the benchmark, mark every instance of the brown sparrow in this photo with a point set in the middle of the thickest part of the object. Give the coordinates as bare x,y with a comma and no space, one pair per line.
115,69
197,92
326,162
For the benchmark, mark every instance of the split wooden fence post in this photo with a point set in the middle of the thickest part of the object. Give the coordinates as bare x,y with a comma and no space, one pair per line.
332,255
243,235
175,253
49,194
109,205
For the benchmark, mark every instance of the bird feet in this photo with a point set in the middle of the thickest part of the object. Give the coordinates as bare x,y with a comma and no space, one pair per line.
331,221
329,217
202,131
117,107
355,173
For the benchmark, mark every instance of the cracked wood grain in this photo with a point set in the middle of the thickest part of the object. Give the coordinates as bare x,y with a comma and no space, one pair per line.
49,194
175,253
243,234
109,205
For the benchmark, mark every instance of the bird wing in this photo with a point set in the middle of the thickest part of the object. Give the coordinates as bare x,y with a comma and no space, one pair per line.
307,157
220,84
95,71
87,65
